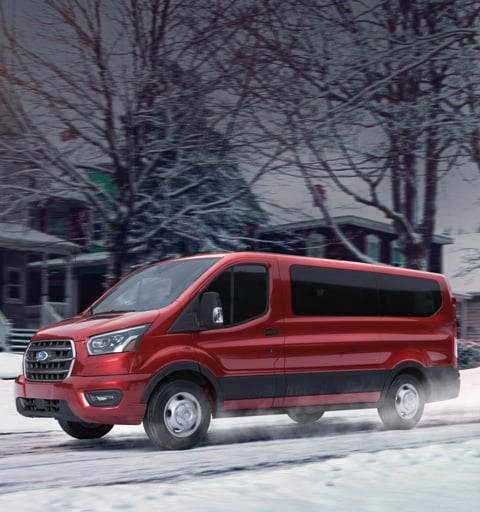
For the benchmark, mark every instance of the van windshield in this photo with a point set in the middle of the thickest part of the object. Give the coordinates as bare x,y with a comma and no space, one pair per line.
153,287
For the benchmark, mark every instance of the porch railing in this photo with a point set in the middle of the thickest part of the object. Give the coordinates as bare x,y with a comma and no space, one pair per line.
53,312
14,339
5,327
40,315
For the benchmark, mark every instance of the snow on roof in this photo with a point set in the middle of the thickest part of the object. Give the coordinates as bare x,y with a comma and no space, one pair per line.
461,264
356,220
19,237
80,260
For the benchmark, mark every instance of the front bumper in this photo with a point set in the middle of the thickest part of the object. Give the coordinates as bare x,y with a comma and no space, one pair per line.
67,400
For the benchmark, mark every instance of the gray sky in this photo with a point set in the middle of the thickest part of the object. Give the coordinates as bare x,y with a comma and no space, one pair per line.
458,206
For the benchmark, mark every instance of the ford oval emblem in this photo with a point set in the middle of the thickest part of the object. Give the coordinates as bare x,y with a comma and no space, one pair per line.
41,356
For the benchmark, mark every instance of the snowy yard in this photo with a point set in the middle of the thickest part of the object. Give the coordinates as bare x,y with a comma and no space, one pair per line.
434,466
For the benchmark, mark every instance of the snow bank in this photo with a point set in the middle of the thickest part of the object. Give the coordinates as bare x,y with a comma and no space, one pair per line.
10,365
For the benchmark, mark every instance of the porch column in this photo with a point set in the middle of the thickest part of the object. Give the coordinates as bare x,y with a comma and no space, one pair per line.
44,289
464,320
68,286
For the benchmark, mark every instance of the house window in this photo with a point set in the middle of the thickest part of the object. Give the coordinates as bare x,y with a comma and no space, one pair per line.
58,224
396,254
13,285
98,231
372,247
316,245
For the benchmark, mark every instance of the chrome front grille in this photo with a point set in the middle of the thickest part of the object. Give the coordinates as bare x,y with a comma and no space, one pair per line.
49,360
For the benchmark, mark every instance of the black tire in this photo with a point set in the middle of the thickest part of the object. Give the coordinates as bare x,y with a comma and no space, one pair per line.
306,415
82,430
178,415
403,404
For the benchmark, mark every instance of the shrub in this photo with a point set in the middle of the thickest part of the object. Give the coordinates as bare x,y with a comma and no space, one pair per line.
468,354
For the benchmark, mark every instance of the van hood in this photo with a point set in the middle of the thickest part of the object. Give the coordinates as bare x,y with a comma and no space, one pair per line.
82,327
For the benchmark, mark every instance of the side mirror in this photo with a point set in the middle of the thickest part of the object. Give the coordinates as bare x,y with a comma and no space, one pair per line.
210,313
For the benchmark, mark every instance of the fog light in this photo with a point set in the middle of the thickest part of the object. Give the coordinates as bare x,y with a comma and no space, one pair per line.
103,398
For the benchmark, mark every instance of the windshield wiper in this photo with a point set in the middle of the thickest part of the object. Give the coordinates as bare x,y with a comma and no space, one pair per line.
112,311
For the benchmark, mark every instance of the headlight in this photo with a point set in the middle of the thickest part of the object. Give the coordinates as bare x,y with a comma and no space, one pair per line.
125,340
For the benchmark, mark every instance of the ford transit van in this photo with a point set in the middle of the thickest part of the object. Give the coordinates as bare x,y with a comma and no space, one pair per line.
179,342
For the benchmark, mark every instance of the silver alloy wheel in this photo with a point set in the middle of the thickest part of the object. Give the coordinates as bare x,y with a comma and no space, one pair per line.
407,401
182,414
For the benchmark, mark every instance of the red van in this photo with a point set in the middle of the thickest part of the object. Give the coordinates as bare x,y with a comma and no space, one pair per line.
181,341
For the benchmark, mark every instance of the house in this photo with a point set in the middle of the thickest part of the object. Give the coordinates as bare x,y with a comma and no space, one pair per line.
316,238
26,298
51,259
71,219
44,279
462,267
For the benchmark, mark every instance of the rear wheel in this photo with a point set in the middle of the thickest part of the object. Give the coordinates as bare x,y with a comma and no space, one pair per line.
82,430
178,415
404,403
306,414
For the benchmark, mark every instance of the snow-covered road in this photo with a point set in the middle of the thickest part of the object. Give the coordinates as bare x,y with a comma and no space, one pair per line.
49,460
346,461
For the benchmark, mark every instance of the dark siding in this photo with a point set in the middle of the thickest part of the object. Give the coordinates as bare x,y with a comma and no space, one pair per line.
295,242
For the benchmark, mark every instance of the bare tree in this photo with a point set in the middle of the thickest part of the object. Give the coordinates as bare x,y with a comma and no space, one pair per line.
122,89
377,100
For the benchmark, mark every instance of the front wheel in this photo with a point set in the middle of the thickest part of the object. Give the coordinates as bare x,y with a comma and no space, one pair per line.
404,403
82,430
178,415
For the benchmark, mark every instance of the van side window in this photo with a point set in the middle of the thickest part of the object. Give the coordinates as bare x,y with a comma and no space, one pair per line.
318,291
332,292
243,291
408,296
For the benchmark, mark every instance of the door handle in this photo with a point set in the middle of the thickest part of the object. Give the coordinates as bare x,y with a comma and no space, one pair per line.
271,332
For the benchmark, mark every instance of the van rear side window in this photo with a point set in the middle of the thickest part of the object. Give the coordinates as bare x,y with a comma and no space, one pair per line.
317,291
407,296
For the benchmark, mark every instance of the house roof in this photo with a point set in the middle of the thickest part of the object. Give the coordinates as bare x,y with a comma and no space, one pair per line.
353,220
22,238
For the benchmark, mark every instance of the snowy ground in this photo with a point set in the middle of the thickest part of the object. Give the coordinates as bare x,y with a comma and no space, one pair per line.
435,466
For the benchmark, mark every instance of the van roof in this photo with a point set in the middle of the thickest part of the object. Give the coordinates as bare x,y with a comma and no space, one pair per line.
306,260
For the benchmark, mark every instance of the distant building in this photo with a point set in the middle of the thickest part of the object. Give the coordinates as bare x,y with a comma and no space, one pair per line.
462,267
316,238
25,294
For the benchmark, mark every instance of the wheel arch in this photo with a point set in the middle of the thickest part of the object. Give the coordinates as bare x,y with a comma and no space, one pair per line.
407,368
186,370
